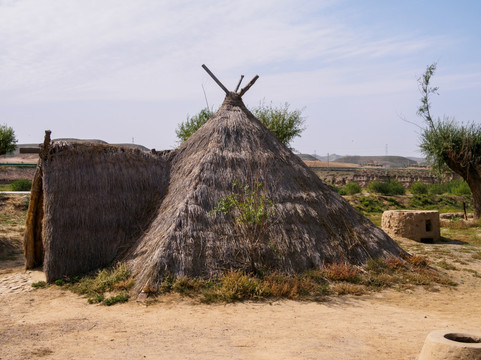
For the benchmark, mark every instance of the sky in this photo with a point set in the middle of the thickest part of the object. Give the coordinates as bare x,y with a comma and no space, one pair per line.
130,71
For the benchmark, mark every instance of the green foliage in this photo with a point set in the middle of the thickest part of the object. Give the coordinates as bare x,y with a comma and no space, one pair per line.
8,140
426,90
370,204
458,187
350,188
39,284
106,280
249,205
250,209
238,286
120,298
422,202
192,124
21,185
339,278
454,187
448,144
391,187
282,122
436,189
418,188
60,282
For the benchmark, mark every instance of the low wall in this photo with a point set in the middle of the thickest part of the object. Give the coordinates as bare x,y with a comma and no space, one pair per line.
422,226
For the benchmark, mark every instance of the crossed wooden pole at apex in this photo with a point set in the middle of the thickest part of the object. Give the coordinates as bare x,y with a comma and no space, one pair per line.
243,90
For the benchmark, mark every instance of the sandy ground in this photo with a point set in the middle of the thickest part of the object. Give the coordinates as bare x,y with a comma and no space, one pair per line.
55,324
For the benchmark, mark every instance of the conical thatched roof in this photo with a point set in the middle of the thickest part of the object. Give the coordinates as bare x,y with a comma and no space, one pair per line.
96,203
312,224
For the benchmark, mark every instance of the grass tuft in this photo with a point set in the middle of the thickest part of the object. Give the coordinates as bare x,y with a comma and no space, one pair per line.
39,284
120,298
341,272
116,279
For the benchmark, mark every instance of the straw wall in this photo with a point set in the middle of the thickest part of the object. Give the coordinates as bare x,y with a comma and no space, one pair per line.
97,200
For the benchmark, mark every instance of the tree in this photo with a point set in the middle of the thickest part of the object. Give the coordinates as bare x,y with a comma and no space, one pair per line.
7,139
284,123
190,126
448,144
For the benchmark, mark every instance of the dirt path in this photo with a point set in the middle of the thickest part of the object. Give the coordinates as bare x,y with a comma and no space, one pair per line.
55,324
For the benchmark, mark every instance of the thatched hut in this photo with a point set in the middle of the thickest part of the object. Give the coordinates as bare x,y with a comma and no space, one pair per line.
103,203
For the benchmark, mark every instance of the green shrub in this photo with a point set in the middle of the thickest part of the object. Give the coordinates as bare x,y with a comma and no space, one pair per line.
370,204
39,284
250,211
392,187
350,188
21,185
436,189
115,279
455,187
418,188
60,282
121,298
422,201
458,187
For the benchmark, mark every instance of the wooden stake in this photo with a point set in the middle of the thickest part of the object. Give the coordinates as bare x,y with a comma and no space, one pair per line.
215,79
238,85
248,86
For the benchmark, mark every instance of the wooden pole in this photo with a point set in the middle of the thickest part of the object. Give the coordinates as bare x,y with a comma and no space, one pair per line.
215,79
238,85
248,86
32,243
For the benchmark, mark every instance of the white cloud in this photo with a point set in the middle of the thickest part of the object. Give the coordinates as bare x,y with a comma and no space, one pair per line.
307,52
154,49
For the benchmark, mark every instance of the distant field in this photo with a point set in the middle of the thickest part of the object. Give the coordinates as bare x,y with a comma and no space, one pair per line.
20,159
318,163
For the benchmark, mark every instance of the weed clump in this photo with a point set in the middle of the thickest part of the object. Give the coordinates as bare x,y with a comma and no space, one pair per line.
342,271
39,284
116,279
111,286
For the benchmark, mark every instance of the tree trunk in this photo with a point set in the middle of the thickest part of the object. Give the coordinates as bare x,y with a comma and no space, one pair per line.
475,186
471,173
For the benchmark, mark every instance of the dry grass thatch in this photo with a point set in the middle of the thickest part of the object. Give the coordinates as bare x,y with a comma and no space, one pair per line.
96,200
99,200
312,224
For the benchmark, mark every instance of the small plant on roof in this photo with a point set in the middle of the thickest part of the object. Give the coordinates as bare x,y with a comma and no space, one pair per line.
251,211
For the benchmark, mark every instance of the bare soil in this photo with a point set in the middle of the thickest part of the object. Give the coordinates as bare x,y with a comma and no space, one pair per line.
52,323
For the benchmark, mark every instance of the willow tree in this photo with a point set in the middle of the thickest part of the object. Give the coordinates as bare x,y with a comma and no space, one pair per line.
449,144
